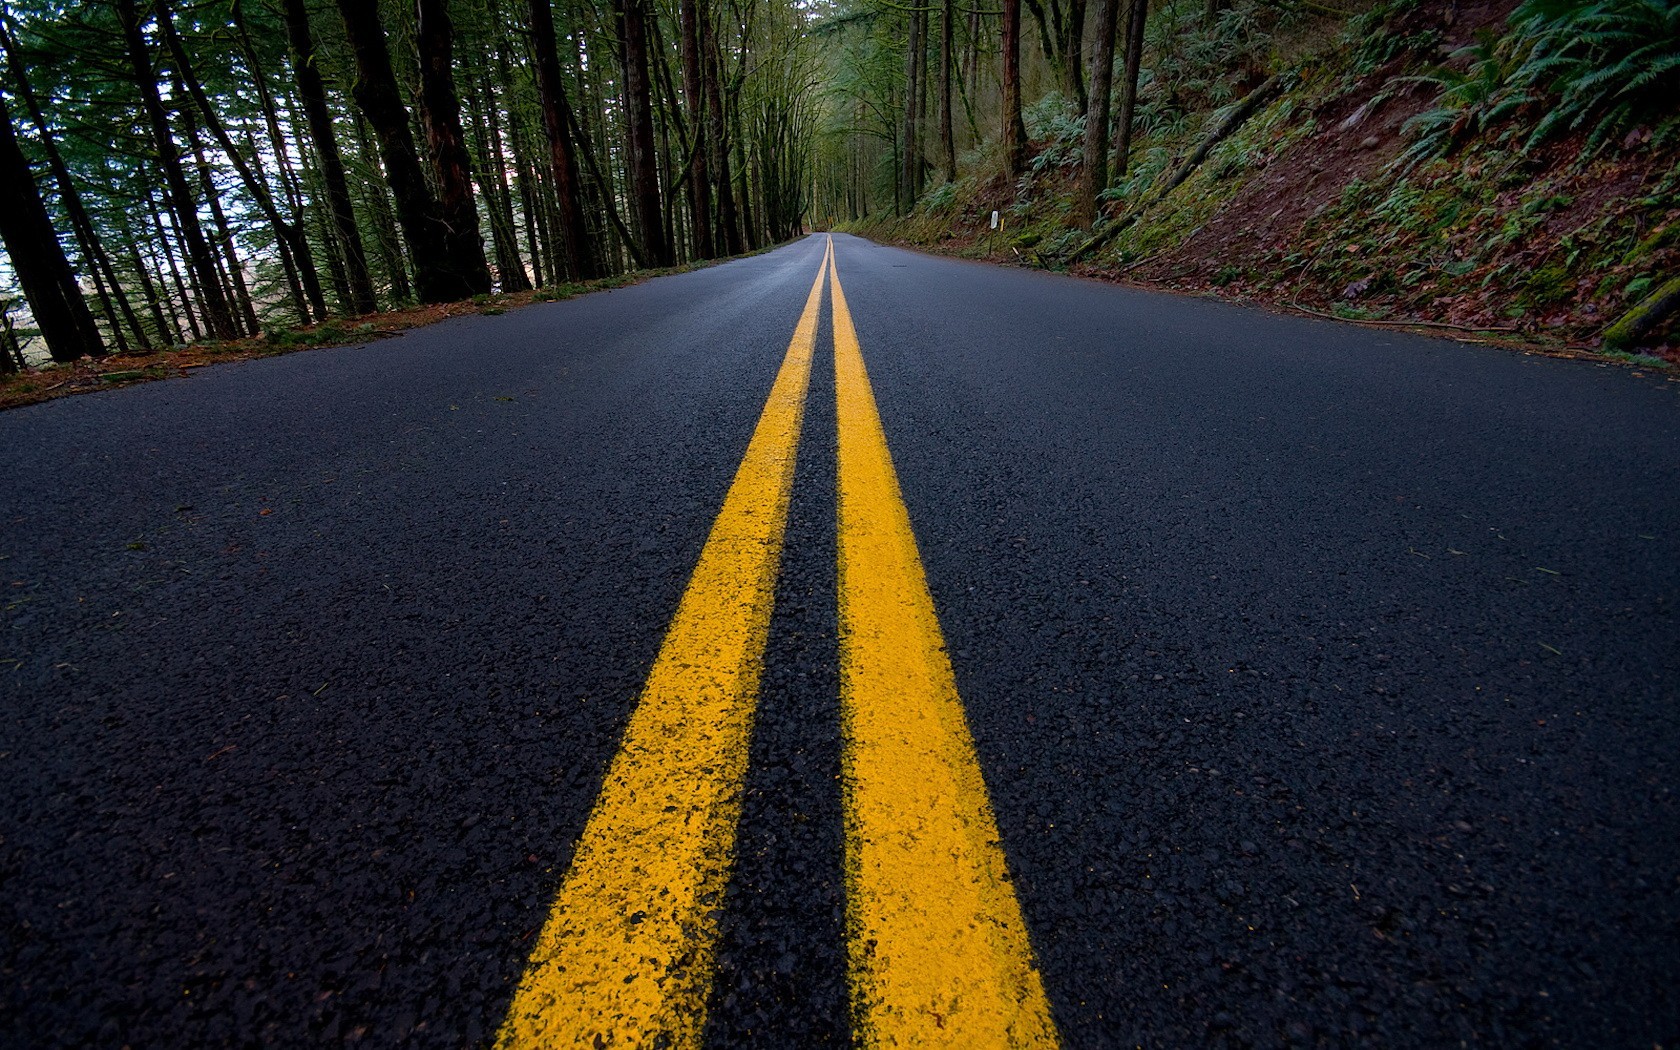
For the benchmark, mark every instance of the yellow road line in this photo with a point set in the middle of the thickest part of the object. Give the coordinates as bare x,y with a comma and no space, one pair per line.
938,951
626,956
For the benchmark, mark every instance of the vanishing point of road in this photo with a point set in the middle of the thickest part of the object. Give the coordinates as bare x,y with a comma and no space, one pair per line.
843,645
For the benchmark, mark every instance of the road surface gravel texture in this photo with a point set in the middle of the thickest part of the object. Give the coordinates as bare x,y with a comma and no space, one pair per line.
1323,680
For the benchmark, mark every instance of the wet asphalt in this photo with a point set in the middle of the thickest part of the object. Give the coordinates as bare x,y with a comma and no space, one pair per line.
1324,679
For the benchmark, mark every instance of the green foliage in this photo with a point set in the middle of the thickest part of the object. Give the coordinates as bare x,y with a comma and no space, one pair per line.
1600,65
1607,63
1647,360
320,335
1203,60
1473,99
1049,116
940,198
1192,64
1054,122
1380,36
1145,168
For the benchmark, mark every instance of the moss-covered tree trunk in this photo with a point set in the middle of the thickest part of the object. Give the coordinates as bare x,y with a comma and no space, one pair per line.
1632,327
1137,14
1094,176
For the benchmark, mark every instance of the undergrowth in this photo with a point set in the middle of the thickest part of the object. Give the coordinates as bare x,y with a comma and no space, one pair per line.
1603,67
1520,185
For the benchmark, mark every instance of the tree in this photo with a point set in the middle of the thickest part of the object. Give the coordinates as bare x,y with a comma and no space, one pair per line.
118,310
559,126
1014,130
717,137
440,114
289,235
183,201
1073,46
947,140
1061,35
694,98
638,104
915,54
210,158
313,94
61,312
1094,178
439,275
1137,14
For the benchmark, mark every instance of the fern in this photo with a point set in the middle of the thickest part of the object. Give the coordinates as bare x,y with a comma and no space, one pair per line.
1601,65
1473,100
1608,64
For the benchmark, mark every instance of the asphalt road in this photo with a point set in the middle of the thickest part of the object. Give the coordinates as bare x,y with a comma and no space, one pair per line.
1323,681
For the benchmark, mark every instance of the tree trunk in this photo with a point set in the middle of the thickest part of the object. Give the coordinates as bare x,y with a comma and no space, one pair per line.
312,90
55,299
699,177
199,257
234,270
1014,130
113,299
387,240
1136,16
166,249
743,187
1049,35
557,123
1073,59
525,184
717,137
915,51
968,84
510,270
439,276
320,220
947,139
290,189
1234,118
304,282
294,254
1094,177
440,115
640,158
148,291
1645,317
673,140
599,193
11,351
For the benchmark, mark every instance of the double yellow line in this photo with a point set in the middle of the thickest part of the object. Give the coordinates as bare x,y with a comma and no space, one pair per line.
938,953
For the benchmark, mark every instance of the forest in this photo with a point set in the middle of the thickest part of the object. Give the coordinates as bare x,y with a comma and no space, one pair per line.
207,171
189,172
